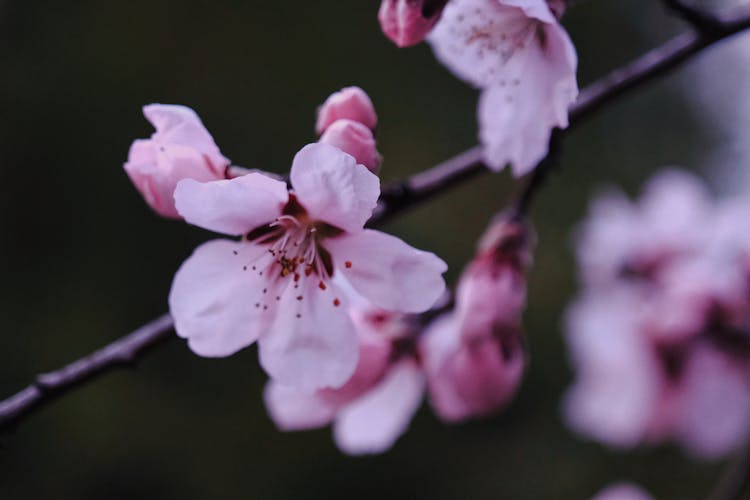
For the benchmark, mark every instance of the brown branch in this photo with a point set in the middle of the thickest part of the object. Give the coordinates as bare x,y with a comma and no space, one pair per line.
395,199
46,387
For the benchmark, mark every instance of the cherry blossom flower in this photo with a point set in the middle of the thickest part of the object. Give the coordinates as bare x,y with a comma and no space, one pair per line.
517,53
660,336
623,491
181,148
350,103
275,285
474,357
407,22
374,408
356,139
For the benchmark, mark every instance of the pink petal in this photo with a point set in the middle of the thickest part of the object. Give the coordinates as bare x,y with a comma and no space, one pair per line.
481,41
312,343
355,139
333,188
180,125
715,416
387,271
516,120
375,350
234,206
350,103
372,423
212,298
618,380
293,409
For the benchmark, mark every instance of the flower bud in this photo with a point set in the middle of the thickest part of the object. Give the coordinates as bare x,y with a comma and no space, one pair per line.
407,22
181,148
492,290
351,103
471,377
356,139
475,357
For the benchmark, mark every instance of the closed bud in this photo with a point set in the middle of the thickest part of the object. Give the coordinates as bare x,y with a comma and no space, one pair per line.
356,139
350,103
407,22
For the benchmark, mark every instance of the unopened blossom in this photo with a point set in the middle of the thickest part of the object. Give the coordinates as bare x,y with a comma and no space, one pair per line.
623,491
356,139
660,335
275,285
350,103
475,357
407,22
523,61
181,148
374,408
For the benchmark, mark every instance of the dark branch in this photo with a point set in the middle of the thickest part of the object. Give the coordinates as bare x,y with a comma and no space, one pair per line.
395,199
120,353
702,20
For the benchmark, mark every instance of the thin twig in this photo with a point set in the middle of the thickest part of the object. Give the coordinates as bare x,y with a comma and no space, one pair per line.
395,199
701,20
46,387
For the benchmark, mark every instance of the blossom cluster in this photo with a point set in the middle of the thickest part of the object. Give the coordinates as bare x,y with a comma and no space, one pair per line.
334,308
469,361
660,334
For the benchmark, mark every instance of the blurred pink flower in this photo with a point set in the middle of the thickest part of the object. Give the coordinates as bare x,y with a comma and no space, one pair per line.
474,357
374,408
181,148
275,286
407,22
623,491
350,103
524,62
356,139
660,337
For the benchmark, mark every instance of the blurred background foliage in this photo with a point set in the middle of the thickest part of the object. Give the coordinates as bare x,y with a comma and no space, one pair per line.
84,260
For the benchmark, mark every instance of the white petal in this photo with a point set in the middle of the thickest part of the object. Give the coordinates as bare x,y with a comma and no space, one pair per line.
387,271
293,409
516,119
372,423
234,206
312,343
213,300
333,187
180,125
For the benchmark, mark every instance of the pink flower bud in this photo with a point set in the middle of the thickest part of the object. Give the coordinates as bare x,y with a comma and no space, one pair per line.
471,378
356,139
352,103
474,357
181,148
407,22
492,290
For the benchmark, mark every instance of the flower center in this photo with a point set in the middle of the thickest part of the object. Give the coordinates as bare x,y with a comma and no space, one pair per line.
291,259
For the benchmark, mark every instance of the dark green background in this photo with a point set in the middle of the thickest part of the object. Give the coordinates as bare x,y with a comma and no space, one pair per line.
84,261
